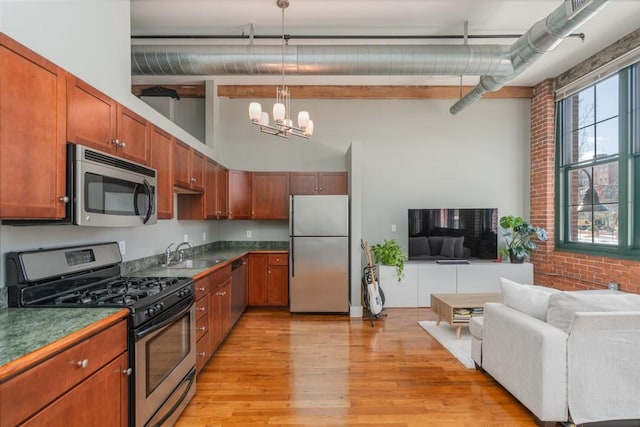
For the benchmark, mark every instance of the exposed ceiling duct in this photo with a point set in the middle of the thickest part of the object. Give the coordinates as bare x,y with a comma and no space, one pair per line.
497,64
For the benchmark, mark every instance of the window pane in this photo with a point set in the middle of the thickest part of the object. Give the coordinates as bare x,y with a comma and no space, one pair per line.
583,144
607,98
583,108
578,186
605,225
607,138
580,226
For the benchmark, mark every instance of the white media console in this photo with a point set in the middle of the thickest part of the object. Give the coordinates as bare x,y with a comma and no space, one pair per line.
423,278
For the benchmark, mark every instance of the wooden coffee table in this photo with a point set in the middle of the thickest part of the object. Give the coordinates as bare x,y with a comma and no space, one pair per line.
457,309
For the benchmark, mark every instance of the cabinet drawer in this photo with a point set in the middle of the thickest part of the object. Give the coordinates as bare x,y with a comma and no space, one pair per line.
221,275
202,327
278,259
202,307
202,287
40,385
202,352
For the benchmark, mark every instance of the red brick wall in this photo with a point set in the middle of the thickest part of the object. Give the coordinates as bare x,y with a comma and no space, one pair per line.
563,270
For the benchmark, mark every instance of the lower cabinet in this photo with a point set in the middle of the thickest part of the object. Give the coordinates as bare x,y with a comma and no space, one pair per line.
86,384
269,280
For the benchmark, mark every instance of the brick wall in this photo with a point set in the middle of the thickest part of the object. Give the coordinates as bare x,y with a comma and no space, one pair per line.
563,270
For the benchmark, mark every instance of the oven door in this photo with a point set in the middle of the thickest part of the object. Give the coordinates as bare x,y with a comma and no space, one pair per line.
165,358
112,192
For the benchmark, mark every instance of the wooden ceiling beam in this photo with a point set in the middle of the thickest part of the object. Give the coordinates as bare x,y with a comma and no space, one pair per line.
342,92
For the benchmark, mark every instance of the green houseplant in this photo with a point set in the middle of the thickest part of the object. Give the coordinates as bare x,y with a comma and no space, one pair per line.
517,234
390,253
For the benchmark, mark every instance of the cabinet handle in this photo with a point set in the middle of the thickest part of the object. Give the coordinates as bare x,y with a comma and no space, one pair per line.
82,363
193,180
202,354
127,371
202,328
64,199
268,271
201,309
123,144
201,289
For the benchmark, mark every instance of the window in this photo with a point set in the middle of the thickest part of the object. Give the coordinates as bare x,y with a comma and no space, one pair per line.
599,167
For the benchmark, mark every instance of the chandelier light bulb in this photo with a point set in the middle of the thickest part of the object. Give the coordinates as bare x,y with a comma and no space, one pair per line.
303,119
308,130
255,111
279,112
264,119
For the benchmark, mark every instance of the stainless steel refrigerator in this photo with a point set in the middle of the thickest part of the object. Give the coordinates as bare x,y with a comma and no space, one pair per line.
319,254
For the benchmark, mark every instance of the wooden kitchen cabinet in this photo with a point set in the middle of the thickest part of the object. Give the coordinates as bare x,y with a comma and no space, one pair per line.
269,279
161,159
32,135
222,179
331,183
86,383
239,196
203,313
99,122
188,172
270,195
220,306
211,209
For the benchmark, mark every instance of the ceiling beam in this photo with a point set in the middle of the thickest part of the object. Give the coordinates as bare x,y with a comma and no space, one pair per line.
343,92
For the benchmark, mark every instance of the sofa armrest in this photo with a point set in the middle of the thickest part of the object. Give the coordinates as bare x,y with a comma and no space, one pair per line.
603,354
527,357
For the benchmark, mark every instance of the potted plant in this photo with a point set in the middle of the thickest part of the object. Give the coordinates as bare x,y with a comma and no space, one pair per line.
390,253
517,234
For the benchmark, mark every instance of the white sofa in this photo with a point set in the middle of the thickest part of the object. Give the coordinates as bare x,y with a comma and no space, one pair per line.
566,356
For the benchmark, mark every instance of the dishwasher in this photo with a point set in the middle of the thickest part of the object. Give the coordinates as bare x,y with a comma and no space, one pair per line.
238,289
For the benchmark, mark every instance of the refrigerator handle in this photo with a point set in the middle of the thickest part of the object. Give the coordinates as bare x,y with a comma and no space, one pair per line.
292,258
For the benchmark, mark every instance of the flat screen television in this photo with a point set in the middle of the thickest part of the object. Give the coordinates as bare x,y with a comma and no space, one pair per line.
477,227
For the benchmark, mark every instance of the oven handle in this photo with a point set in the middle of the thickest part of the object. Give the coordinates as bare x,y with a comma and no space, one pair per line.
167,317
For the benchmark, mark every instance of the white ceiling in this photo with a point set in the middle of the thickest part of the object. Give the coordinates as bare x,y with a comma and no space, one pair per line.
377,17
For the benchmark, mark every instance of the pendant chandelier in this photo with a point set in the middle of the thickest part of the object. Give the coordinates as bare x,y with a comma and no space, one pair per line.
283,125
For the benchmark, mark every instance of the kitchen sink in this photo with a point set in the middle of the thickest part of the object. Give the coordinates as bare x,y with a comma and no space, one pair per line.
194,263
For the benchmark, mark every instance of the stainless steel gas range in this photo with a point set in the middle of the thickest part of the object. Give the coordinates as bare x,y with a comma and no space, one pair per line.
161,323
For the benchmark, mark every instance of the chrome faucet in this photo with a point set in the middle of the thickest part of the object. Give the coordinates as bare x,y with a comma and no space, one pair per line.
171,255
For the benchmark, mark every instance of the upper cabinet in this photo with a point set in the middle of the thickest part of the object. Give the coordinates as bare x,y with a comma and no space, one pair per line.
239,196
222,195
318,183
188,167
270,195
97,121
32,135
161,159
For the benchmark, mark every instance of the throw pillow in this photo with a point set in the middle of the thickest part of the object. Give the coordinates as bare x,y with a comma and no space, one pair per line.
419,246
435,244
448,247
458,247
563,305
528,299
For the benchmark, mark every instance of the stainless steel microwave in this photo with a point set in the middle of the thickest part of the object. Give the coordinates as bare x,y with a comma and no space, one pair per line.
110,191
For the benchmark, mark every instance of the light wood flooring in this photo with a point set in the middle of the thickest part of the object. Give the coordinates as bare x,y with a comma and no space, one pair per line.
320,370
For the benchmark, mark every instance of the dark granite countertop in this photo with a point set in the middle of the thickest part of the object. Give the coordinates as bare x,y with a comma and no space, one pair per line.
25,330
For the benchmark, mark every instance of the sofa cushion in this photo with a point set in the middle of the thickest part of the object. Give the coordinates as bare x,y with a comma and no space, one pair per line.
419,246
435,243
448,247
529,299
563,305
475,327
458,247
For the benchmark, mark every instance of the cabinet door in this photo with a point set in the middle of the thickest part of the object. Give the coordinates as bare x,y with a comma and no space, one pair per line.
211,190
278,285
303,182
223,192
101,399
32,135
270,195
181,164
225,307
161,156
132,136
91,116
332,183
258,293
197,171
239,194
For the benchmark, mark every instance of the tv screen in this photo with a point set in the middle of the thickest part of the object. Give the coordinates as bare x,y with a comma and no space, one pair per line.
470,233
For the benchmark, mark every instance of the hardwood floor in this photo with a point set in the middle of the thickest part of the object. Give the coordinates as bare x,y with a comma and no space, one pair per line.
300,370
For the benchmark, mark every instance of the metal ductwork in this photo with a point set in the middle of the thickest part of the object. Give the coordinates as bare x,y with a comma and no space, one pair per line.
321,60
543,37
496,64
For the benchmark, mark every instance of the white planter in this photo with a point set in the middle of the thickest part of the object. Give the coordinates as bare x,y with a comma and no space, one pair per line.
399,294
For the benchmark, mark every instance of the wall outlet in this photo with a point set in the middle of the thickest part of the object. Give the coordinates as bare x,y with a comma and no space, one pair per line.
248,234
186,238
123,247
204,236
394,228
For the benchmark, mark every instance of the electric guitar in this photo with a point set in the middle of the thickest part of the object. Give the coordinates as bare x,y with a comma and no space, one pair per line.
374,300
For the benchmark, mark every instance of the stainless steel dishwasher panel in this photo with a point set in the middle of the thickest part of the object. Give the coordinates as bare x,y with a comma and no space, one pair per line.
238,289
